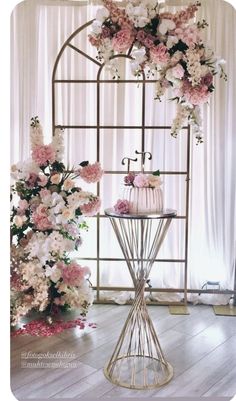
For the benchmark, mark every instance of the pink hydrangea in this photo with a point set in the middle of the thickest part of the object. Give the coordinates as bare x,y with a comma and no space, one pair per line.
91,208
159,54
43,154
122,206
197,95
73,274
141,181
91,172
123,40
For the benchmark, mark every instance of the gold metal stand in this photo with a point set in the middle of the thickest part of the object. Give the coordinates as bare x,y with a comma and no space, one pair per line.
138,361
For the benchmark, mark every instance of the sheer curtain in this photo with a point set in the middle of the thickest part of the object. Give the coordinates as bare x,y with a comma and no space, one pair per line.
39,29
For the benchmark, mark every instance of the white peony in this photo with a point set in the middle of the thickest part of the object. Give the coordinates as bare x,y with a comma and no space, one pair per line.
96,27
53,273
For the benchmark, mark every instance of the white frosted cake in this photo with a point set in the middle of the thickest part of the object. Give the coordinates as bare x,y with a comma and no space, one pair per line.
141,194
144,200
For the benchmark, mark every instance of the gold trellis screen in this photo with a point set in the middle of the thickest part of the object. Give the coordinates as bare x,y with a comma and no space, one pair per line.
91,75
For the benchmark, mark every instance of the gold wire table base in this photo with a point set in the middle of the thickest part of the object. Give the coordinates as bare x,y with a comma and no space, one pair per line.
137,361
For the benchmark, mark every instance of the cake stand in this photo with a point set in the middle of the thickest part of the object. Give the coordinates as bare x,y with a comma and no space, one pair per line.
138,361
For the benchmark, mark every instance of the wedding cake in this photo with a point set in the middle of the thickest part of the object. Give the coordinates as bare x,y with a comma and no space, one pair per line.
141,194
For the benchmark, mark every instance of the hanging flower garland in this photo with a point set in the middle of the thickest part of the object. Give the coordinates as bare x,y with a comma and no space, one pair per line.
47,216
168,46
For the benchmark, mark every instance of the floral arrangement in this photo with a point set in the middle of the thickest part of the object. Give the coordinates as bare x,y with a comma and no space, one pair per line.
139,180
168,45
47,216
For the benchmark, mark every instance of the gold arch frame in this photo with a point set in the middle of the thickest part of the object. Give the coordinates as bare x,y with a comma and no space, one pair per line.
143,127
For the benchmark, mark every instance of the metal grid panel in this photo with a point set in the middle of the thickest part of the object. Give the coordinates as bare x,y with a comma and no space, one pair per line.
98,127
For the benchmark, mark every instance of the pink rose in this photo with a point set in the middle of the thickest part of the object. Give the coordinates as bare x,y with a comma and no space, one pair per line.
129,179
122,206
141,181
159,54
178,71
123,40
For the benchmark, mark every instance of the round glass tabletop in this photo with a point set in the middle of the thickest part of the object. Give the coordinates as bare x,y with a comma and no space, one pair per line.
110,212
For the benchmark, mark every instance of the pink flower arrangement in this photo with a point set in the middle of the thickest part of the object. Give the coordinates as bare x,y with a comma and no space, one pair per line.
91,173
160,44
143,180
91,208
46,226
122,206
43,154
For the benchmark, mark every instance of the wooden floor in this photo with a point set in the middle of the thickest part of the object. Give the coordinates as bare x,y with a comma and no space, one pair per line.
201,347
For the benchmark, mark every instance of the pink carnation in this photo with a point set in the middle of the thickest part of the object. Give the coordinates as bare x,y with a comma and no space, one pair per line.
123,40
122,206
42,154
141,181
73,274
91,173
159,54
91,208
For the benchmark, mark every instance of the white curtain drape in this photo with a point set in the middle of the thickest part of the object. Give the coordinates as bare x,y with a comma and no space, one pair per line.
39,29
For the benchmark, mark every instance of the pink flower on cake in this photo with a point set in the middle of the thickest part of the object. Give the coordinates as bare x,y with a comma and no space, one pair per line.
154,181
122,206
141,181
159,54
91,208
129,179
123,40
91,173
43,154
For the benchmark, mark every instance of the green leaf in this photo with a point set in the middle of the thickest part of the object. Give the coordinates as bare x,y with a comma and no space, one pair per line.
156,173
84,164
